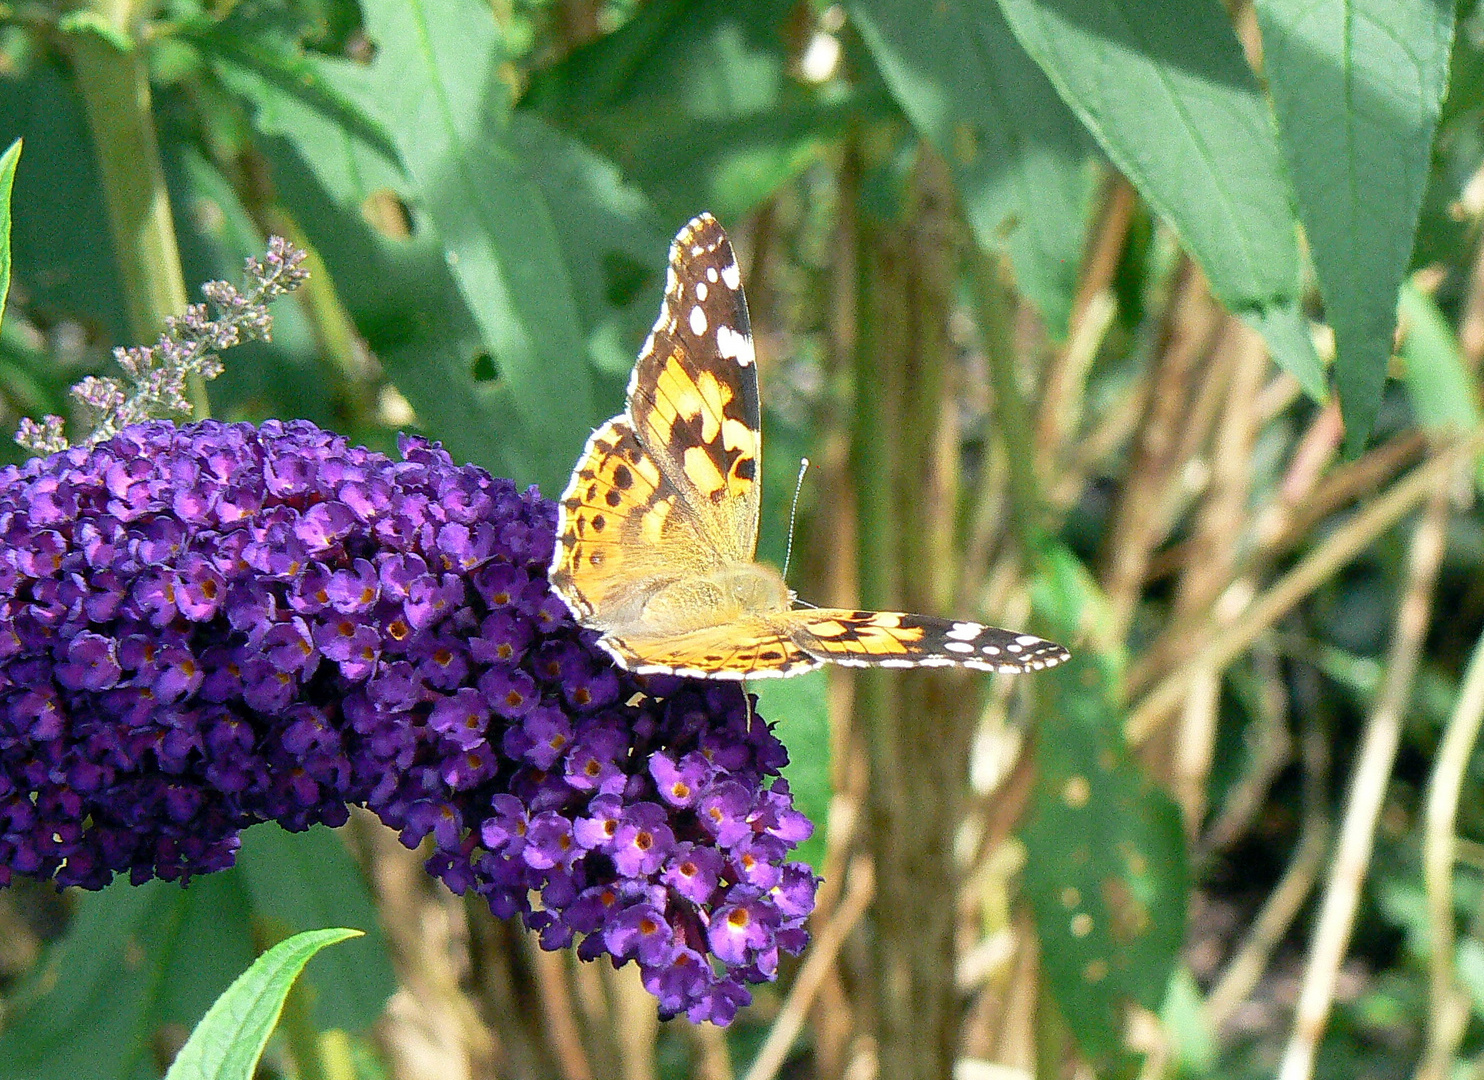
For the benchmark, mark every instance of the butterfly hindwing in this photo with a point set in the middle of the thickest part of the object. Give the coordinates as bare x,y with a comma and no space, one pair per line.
897,639
693,397
752,648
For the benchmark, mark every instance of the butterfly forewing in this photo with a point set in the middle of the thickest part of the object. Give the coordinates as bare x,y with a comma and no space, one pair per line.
622,531
693,396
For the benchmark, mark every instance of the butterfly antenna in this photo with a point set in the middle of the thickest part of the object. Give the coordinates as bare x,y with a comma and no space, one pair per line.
793,513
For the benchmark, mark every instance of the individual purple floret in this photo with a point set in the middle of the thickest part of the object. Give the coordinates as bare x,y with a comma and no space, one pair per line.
208,626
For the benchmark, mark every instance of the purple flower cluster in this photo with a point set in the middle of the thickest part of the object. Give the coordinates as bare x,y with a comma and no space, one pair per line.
208,626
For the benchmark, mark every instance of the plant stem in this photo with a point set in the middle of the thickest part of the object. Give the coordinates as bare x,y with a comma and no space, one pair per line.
112,72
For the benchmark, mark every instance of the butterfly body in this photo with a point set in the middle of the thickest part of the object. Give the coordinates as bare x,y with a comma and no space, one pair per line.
657,530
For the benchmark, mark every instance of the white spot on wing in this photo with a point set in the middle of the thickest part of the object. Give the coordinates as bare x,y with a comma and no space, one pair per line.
697,321
958,646
964,631
711,275
735,346
702,291
732,276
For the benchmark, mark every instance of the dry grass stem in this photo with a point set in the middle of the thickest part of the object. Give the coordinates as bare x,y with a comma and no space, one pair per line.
1368,786
1448,1009
1313,570
553,987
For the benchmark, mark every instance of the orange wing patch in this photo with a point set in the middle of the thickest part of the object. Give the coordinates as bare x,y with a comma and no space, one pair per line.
694,396
616,512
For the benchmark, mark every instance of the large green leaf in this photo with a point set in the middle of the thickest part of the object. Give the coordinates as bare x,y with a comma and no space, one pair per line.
436,86
61,246
228,1042
1173,103
1357,85
583,250
1020,159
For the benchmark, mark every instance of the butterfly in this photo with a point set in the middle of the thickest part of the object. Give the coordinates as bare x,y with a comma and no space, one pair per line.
657,530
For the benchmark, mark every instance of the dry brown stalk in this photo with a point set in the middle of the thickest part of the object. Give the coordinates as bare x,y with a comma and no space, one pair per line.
1214,556
1333,552
554,989
1368,786
1448,1010
431,1028
1141,518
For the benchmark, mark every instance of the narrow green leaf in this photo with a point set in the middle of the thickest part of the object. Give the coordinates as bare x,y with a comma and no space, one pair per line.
299,881
1174,104
8,162
437,79
228,1042
1357,85
1020,159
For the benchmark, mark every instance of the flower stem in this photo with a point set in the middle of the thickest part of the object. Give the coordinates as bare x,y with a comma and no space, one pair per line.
113,75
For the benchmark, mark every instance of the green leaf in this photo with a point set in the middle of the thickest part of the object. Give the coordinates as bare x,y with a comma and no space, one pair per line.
1286,331
290,87
300,881
1106,869
1357,86
228,1042
8,162
1174,104
1020,159
799,710
61,249
437,89
1444,392
401,291
719,74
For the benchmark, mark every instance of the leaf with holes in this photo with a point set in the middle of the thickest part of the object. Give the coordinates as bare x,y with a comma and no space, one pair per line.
1107,872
